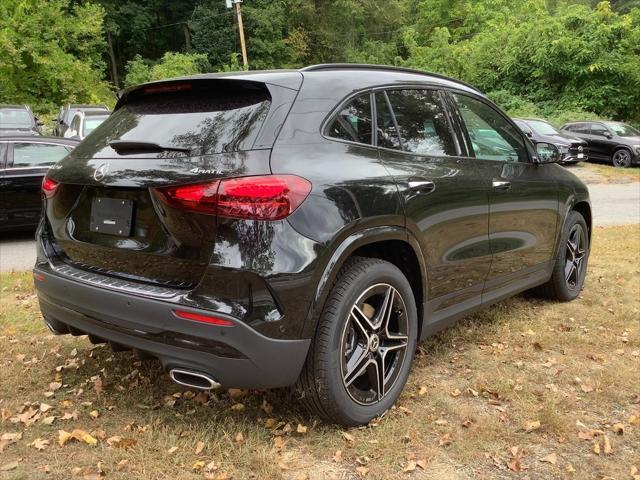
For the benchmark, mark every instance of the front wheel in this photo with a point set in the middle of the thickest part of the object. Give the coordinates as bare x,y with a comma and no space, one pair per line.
364,345
570,268
621,158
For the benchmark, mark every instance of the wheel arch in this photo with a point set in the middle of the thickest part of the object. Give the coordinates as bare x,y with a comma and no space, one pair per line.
584,209
393,244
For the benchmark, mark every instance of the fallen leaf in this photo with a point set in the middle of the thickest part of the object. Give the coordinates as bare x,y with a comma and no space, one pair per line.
411,466
279,442
237,407
121,442
531,426
444,440
337,457
552,458
239,438
77,434
122,464
199,465
8,439
607,446
301,428
39,444
48,420
172,450
199,448
422,390
422,463
456,393
45,408
362,471
94,414
586,388
618,428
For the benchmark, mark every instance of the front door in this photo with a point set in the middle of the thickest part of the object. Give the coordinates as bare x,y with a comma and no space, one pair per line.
523,199
445,204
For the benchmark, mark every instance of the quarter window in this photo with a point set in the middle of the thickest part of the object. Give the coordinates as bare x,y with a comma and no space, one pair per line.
422,122
493,137
37,155
353,121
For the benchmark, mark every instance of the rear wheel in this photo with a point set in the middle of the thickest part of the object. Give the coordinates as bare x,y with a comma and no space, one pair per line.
621,158
570,267
364,345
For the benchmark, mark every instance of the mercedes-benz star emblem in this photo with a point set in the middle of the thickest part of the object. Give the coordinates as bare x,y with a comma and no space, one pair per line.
580,148
101,172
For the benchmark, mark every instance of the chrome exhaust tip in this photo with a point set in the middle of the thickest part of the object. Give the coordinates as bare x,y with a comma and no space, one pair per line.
56,327
193,379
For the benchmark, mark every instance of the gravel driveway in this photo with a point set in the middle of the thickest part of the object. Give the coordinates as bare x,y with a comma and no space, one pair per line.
613,204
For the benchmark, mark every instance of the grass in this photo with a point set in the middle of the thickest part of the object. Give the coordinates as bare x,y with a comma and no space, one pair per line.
522,382
592,172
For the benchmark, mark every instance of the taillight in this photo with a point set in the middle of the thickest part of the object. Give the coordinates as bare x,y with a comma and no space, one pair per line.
49,187
265,197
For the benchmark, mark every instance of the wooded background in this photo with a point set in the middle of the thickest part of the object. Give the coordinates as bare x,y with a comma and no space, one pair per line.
558,59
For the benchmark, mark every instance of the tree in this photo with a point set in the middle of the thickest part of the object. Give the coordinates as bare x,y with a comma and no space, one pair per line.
51,53
171,65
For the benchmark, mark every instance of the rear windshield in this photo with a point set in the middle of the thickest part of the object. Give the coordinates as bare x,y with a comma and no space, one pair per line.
213,120
15,118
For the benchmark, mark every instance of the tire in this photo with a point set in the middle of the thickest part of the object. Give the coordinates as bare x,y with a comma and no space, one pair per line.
568,276
621,158
333,389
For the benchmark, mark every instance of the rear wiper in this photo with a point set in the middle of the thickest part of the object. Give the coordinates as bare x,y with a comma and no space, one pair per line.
136,145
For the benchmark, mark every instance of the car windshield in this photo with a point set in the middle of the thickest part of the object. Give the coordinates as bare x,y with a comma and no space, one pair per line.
542,128
623,130
14,118
90,123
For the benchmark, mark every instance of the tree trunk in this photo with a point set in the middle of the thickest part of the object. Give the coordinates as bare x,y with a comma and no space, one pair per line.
114,66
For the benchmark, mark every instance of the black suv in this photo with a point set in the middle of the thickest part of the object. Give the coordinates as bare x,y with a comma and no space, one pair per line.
302,227
18,120
613,142
572,149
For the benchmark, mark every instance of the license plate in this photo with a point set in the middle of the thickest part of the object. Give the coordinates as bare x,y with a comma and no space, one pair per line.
581,155
113,216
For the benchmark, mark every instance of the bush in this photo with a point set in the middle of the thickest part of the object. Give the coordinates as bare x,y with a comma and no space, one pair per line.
171,65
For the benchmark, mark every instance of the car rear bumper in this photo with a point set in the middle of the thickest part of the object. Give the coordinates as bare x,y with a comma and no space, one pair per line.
235,356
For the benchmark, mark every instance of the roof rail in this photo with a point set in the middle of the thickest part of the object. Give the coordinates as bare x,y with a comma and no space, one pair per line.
391,68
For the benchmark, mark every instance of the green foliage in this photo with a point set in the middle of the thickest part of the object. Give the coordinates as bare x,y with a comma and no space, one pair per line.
171,65
51,53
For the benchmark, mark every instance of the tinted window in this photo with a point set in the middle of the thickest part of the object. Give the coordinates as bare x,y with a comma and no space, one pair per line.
492,135
224,118
580,128
387,134
91,122
597,129
623,130
15,118
422,122
37,155
353,122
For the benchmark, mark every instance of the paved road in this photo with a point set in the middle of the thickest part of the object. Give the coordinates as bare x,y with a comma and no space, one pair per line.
613,204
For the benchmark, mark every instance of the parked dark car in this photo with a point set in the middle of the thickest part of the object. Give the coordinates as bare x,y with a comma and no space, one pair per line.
266,229
612,142
84,123
18,120
572,149
66,114
24,161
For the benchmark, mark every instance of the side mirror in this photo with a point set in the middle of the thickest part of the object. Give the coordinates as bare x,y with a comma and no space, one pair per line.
608,135
530,134
547,153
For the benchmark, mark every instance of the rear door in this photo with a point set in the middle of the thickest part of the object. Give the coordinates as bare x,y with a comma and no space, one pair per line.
446,205
523,197
27,164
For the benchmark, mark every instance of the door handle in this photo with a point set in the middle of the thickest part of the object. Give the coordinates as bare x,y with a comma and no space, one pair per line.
421,186
501,185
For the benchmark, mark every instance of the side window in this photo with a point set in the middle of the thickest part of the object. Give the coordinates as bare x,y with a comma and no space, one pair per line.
581,128
422,121
597,129
387,133
353,121
492,135
37,154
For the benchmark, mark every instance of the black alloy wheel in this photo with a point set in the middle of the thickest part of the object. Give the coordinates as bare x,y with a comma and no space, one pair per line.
621,158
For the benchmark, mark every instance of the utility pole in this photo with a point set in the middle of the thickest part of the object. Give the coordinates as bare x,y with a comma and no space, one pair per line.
243,46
